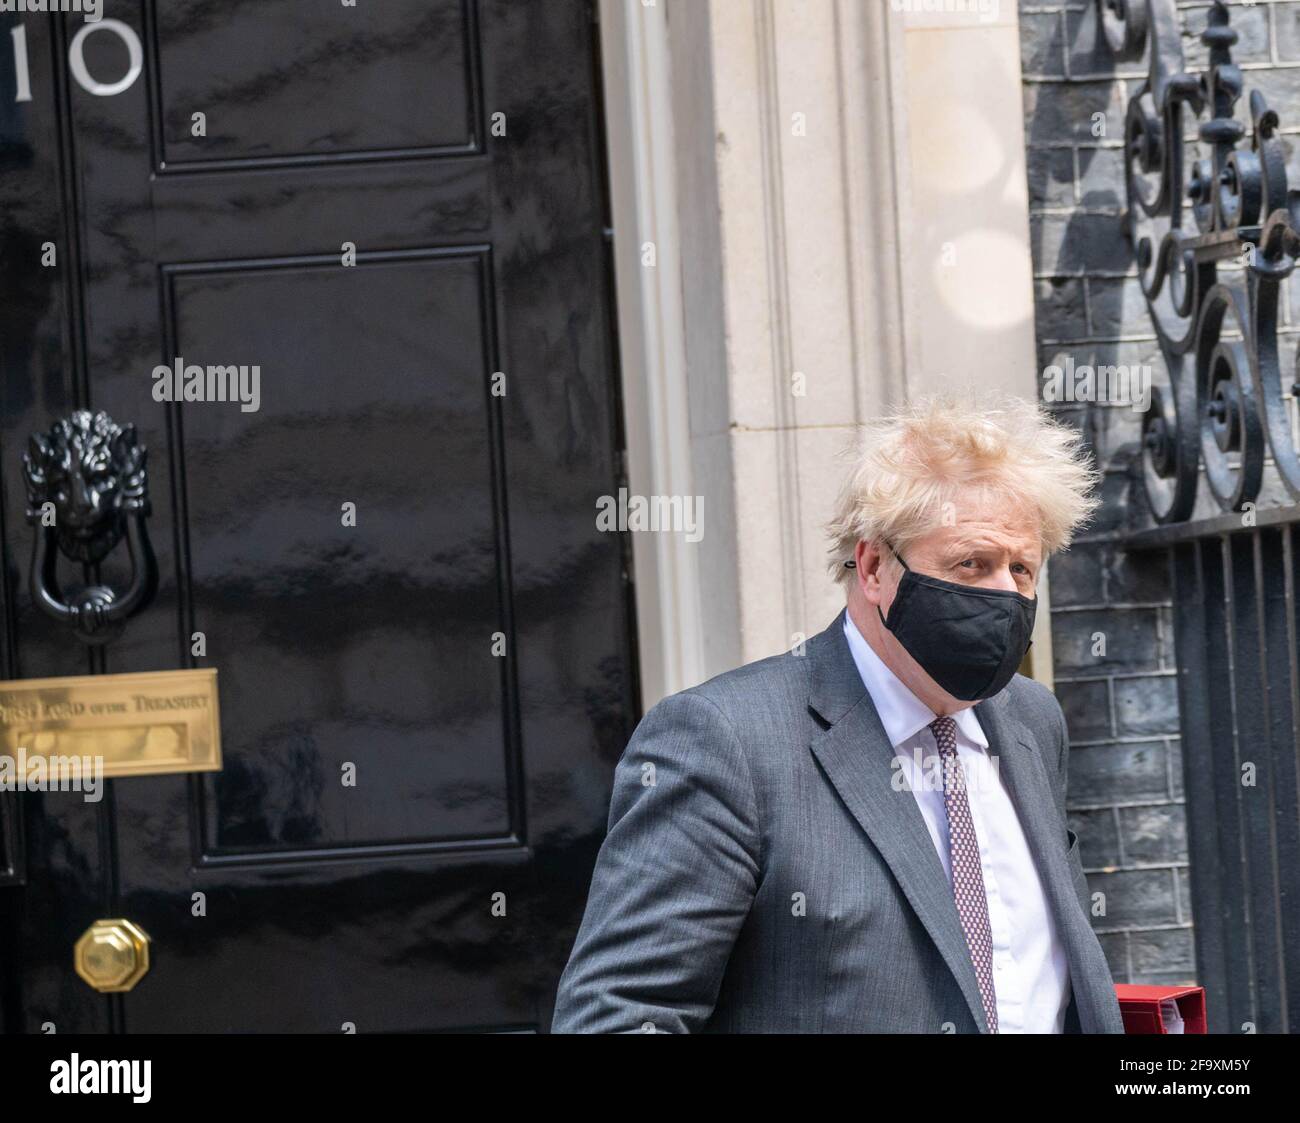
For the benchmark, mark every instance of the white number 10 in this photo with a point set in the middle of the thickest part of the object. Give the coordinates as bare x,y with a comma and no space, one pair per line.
77,59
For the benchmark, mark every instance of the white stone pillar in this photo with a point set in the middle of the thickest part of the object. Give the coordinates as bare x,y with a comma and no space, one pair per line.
836,191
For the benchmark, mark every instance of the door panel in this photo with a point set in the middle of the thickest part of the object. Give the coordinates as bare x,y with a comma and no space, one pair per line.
350,226
275,70
380,638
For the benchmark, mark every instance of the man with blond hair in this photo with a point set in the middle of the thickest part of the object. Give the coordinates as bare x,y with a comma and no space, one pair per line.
869,835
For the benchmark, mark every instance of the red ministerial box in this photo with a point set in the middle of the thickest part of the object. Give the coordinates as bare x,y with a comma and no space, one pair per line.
1140,1007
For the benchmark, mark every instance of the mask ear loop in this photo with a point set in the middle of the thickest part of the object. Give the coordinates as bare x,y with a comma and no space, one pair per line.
851,564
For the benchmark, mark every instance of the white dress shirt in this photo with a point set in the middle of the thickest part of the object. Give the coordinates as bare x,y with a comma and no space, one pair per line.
1031,975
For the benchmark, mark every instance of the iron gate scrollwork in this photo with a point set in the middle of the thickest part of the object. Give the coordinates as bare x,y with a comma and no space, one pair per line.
1225,404
1213,236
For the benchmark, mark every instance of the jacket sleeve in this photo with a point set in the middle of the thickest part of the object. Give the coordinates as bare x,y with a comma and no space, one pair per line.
674,879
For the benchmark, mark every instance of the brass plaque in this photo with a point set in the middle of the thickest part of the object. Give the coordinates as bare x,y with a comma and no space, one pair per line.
139,724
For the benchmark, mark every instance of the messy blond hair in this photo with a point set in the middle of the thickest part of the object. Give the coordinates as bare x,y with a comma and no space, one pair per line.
910,467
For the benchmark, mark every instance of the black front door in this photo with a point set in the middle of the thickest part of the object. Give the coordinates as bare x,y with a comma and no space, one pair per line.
387,547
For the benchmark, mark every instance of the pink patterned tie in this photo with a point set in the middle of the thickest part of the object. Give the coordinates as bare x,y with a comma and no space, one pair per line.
967,874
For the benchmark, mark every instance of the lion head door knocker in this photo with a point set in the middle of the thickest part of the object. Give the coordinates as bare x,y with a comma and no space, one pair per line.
87,489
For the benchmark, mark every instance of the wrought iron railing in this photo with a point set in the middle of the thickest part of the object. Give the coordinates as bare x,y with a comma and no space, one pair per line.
1213,236
1225,405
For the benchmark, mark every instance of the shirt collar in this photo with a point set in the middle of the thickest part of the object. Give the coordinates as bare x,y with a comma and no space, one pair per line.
901,712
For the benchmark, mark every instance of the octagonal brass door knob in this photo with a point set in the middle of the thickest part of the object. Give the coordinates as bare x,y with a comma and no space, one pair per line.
112,955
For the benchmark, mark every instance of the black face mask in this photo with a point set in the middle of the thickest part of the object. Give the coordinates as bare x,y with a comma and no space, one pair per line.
969,640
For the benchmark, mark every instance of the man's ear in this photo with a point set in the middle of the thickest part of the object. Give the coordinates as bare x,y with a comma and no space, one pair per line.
867,558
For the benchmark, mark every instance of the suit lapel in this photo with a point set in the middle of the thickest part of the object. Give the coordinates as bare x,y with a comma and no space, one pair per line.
857,758
1025,776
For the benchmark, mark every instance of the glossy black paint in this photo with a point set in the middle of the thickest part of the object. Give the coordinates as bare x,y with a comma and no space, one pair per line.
369,646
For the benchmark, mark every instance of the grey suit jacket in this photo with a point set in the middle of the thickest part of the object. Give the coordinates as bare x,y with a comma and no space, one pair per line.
763,874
